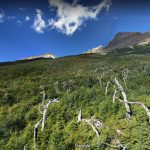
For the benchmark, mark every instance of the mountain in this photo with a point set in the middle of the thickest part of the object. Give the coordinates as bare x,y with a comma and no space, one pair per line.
99,50
48,55
129,39
124,40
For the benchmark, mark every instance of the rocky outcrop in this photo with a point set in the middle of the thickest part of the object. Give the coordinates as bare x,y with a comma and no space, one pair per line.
99,50
129,39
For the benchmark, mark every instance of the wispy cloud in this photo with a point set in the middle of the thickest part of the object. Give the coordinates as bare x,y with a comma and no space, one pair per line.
27,18
39,24
2,16
71,16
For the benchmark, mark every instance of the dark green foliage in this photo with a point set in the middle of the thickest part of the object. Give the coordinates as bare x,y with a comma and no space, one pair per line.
77,81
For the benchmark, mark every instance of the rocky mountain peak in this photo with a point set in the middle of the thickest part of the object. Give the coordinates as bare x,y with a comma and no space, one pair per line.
99,50
122,40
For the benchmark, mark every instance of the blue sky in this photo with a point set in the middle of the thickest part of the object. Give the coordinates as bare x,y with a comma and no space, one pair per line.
36,27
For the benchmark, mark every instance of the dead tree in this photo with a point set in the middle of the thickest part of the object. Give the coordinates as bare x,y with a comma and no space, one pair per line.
106,89
125,76
56,87
120,88
25,147
101,75
141,104
117,143
94,123
114,95
80,116
36,133
42,121
126,102
45,111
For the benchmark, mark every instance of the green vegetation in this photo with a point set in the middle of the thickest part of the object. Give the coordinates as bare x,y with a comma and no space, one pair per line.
75,81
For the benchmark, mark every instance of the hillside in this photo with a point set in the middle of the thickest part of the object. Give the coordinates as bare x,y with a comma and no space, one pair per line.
88,96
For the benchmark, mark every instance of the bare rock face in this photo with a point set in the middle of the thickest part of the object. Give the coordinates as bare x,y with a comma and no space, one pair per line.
48,55
98,50
129,39
122,40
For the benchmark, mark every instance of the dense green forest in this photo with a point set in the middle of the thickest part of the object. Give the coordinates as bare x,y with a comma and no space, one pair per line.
87,93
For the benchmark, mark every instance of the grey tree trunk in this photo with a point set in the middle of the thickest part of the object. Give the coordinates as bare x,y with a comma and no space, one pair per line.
36,133
141,104
106,89
124,98
45,112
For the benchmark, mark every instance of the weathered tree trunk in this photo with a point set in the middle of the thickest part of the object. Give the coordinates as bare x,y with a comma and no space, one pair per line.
124,80
25,147
45,111
94,129
106,89
95,124
114,96
124,98
44,96
36,133
80,116
141,104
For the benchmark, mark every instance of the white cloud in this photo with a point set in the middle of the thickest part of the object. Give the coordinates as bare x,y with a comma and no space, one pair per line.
39,24
27,18
71,16
2,16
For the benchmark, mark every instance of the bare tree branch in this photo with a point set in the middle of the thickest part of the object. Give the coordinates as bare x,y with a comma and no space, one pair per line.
106,89
94,129
141,104
124,98
36,133
45,111
114,96
25,146
94,123
80,116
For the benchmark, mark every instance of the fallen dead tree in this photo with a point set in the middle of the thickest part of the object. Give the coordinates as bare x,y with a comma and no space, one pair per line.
94,123
142,105
42,121
126,102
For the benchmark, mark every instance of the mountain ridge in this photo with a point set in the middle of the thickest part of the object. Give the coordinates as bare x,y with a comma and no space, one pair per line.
123,40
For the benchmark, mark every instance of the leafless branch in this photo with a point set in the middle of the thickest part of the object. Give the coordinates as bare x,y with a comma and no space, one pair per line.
36,133
141,104
124,98
106,89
